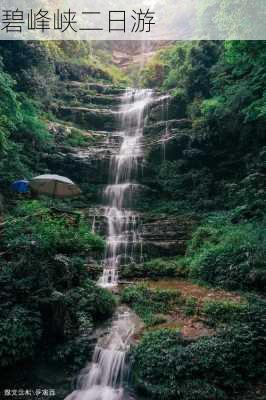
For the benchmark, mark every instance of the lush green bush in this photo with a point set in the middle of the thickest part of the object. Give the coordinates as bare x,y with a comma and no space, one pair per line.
9,107
167,367
190,306
90,300
21,131
74,353
31,129
220,88
44,273
77,139
187,182
224,311
34,227
20,332
86,306
229,255
155,268
150,303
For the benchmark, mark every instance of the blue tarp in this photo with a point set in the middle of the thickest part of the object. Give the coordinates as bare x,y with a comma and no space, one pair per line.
21,186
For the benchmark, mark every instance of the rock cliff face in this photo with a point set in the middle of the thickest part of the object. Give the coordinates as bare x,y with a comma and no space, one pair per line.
92,108
165,236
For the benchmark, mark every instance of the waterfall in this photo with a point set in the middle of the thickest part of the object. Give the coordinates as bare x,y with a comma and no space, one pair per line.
103,378
122,236
165,136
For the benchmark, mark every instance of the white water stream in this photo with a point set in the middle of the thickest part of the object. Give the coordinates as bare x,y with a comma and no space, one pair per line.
122,236
103,378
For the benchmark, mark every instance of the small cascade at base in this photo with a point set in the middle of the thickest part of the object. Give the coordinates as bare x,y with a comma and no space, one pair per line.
103,378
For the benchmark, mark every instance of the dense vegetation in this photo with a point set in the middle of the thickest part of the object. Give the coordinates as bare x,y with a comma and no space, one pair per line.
219,88
169,367
151,305
52,300
213,171
29,87
48,293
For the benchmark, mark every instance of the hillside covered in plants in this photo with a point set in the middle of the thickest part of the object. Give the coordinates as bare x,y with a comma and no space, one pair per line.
195,274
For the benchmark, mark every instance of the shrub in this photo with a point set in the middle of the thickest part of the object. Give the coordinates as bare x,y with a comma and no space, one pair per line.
90,300
45,272
155,268
37,228
149,302
20,333
232,256
223,311
190,306
77,139
168,367
75,352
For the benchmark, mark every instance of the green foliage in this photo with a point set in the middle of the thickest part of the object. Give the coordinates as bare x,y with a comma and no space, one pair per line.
44,273
149,303
35,228
190,306
91,300
229,255
227,77
220,162
153,74
166,366
77,139
185,183
21,131
183,67
9,108
155,268
33,71
116,75
224,311
74,353
97,59
20,332
31,129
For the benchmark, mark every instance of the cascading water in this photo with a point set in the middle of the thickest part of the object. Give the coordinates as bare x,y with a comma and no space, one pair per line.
165,136
103,379
122,237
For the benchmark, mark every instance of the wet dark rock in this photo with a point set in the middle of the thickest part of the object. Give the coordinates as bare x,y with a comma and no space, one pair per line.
81,93
76,72
1,204
94,268
159,127
166,236
88,169
256,180
160,235
90,118
105,88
